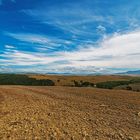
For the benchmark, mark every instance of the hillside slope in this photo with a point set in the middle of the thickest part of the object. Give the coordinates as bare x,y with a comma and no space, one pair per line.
62,80
137,72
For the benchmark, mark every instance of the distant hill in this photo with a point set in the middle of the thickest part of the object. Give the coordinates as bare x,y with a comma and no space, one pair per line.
137,72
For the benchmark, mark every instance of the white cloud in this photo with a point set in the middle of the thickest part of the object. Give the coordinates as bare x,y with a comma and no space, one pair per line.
82,17
101,29
44,41
117,51
32,38
9,47
20,58
75,19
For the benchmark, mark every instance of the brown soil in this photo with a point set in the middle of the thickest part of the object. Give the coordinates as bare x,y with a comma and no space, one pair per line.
66,113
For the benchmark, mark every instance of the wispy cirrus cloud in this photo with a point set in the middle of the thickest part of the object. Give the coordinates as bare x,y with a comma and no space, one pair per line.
36,38
15,57
41,42
71,18
9,47
83,20
117,51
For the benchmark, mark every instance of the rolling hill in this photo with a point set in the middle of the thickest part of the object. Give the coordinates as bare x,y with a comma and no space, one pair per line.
137,72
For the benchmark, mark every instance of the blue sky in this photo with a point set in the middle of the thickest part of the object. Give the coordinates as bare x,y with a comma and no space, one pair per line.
68,36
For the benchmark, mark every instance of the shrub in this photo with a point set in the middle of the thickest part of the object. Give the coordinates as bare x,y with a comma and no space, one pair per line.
129,88
83,84
111,84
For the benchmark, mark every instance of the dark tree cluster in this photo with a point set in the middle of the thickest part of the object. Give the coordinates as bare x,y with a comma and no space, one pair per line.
83,84
14,79
113,84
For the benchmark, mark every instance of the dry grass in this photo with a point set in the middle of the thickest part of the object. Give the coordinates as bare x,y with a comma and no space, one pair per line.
61,80
66,113
135,87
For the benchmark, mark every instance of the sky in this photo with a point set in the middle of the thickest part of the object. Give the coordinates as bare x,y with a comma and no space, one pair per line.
69,36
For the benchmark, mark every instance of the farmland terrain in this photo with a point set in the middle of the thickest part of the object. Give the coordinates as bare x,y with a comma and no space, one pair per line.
68,113
62,80
99,81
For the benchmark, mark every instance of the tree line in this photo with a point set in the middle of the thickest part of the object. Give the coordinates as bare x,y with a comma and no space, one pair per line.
113,84
15,79
107,84
18,79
